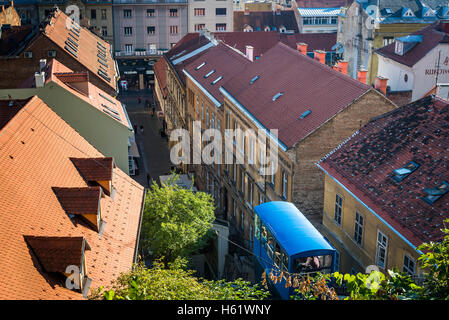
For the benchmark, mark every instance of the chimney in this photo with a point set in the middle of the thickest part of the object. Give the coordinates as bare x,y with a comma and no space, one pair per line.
342,66
381,84
42,64
361,75
445,26
320,56
39,78
302,47
250,53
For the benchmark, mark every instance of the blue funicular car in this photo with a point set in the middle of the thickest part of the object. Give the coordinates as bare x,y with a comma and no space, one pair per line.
285,240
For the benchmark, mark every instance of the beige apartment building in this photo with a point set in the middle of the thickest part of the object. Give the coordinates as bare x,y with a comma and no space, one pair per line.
213,15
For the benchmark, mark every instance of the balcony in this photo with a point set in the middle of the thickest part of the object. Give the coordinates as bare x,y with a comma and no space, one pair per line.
140,53
149,1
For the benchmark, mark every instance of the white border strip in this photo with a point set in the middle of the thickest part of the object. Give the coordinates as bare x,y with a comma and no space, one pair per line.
211,97
194,52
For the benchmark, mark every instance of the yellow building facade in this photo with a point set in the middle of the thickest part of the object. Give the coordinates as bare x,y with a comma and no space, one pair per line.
356,256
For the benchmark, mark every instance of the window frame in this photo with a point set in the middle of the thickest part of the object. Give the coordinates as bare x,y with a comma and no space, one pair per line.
378,249
338,217
358,228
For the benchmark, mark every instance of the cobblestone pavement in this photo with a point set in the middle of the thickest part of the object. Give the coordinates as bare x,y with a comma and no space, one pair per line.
154,152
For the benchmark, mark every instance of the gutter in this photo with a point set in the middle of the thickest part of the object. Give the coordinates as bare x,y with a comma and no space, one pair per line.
371,210
211,97
140,226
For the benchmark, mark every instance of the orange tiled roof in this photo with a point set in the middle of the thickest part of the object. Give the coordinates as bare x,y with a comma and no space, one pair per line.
88,48
79,200
35,150
94,169
66,78
56,253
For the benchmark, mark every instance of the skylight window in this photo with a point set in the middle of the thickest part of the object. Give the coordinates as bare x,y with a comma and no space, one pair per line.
200,66
209,73
70,50
402,173
305,114
216,80
110,109
433,194
112,115
277,95
106,98
254,79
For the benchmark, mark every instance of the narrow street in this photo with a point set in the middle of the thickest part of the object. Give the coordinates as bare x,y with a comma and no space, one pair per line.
153,149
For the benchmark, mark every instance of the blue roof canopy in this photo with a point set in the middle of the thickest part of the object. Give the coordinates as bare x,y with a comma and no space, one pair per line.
291,228
411,38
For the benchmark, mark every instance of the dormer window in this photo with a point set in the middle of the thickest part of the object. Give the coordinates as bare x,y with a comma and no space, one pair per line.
97,171
428,12
402,173
408,13
82,202
433,194
399,47
406,43
64,255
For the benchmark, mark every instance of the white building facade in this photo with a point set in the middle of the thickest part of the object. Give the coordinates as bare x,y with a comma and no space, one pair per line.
419,78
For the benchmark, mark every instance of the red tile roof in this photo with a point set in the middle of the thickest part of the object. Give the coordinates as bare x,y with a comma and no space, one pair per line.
183,49
432,35
416,132
56,253
260,41
161,75
315,41
95,169
84,200
28,171
262,19
306,85
226,62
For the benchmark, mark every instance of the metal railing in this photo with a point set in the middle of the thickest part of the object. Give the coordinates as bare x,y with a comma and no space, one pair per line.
149,1
141,53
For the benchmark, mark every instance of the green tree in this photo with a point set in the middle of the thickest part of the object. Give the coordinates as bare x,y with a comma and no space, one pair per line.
173,282
435,262
176,221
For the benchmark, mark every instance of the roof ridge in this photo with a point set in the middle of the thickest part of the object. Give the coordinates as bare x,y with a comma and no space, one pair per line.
344,77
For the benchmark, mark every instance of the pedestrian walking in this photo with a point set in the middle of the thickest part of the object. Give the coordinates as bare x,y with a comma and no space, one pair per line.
152,111
148,179
139,99
141,129
135,128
